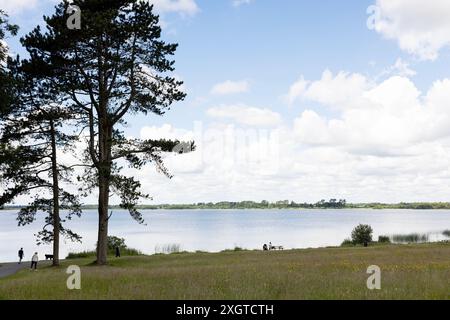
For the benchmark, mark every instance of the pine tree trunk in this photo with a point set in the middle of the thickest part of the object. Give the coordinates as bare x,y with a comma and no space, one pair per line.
56,218
104,179
103,202
105,132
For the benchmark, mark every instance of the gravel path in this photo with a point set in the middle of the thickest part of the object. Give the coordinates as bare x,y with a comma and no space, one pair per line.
7,269
10,268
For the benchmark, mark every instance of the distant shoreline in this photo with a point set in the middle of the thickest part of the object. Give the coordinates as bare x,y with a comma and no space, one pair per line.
280,205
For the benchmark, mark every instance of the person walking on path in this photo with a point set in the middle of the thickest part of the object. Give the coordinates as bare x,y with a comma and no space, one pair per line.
34,261
20,255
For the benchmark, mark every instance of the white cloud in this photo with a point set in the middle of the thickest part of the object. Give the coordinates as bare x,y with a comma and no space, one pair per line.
400,68
330,90
296,90
336,90
245,115
231,87
421,30
166,131
16,6
185,7
393,117
312,129
4,51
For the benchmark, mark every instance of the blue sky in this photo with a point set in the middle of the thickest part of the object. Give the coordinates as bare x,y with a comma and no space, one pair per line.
267,43
268,61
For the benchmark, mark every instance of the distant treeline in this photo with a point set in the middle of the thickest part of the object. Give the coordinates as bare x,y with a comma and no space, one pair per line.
403,205
285,204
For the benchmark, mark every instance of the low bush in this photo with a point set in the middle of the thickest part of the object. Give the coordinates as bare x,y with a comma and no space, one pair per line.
84,254
362,234
384,239
113,243
347,243
235,249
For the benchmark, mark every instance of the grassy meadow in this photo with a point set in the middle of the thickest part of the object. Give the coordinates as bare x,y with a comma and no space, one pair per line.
419,271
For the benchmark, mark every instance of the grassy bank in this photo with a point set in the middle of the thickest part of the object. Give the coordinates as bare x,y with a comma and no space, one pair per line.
408,272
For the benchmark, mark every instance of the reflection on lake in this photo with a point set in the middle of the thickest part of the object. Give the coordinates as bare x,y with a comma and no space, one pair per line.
216,230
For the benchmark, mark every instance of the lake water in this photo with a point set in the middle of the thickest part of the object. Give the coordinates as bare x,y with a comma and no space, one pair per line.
216,230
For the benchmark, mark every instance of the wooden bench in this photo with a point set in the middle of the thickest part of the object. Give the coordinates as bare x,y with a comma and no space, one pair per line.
276,248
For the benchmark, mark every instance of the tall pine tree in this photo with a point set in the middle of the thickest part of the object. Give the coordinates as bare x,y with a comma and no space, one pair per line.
116,65
31,139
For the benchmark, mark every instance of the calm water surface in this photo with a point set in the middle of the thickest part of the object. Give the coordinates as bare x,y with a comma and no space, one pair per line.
215,230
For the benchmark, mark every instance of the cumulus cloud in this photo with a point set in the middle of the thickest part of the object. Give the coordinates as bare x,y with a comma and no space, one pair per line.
298,173
245,115
225,154
331,90
389,118
393,145
231,87
296,90
421,30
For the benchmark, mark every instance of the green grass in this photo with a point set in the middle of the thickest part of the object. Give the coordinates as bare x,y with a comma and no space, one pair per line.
235,249
93,254
419,271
